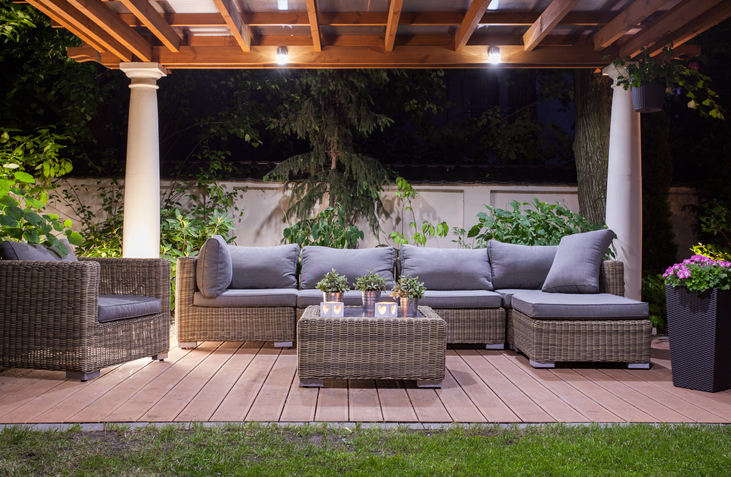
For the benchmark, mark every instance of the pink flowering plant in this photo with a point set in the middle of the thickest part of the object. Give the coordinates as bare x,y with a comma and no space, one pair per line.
699,273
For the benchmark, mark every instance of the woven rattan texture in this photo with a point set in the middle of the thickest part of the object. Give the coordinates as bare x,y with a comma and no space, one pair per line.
474,325
49,313
201,323
371,348
625,341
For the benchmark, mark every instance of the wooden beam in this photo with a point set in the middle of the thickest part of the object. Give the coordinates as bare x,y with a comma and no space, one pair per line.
58,20
91,30
394,14
235,23
548,20
314,25
625,21
469,23
105,18
666,24
695,27
144,11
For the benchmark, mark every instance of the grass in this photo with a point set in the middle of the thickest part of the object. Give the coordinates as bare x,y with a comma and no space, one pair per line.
251,449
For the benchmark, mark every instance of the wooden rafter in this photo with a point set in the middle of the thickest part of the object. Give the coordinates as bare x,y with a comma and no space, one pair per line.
235,23
625,21
394,14
548,20
665,25
469,23
57,18
703,22
144,11
314,25
95,35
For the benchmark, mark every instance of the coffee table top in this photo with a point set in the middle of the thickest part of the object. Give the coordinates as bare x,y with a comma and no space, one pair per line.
356,312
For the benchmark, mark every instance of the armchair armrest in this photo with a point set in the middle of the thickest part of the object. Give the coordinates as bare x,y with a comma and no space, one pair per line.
611,277
185,282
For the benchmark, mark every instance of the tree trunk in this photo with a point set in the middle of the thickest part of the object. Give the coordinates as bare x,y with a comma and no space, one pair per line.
593,108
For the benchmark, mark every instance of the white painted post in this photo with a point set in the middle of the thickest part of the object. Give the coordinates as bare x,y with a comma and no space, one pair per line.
624,185
141,234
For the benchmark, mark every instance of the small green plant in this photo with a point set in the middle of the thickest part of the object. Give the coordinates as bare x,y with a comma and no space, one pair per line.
407,194
408,287
544,224
327,229
715,220
653,293
370,282
333,282
699,273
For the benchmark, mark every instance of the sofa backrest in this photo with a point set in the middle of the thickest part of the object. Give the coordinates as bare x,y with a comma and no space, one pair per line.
352,263
447,268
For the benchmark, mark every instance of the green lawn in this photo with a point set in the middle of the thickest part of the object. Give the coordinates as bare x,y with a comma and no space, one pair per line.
640,450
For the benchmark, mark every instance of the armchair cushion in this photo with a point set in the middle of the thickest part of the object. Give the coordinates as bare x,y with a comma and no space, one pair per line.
519,266
353,263
10,250
447,269
572,306
121,307
264,267
578,260
214,271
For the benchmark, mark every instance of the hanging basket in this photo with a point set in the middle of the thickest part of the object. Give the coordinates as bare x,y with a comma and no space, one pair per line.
649,97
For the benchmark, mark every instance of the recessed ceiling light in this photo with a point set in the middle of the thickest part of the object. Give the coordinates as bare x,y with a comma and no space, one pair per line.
493,55
282,55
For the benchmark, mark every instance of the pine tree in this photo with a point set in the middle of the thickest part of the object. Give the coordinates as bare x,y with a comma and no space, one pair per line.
332,109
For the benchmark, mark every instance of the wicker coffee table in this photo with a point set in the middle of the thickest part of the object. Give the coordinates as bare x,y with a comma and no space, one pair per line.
357,347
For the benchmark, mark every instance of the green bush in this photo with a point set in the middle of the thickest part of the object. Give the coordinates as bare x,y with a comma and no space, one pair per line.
406,193
328,229
653,292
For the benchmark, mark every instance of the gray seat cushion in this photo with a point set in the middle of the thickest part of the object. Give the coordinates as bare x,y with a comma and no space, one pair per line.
350,298
233,298
10,250
567,306
576,266
447,269
264,267
353,263
461,299
507,295
519,266
122,307
214,270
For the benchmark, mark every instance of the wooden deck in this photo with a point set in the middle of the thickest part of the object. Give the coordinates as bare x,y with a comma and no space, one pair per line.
253,381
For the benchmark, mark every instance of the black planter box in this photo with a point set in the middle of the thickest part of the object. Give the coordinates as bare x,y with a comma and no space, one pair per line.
699,329
649,97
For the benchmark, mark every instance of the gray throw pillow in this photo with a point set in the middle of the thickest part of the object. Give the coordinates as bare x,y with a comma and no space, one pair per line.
519,266
213,271
264,267
24,251
447,268
577,263
353,263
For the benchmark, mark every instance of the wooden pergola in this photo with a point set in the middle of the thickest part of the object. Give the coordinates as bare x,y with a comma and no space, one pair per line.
147,38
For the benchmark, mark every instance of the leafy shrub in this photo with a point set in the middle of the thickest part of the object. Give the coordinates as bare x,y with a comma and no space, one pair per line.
653,292
699,273
715,222
407,194
327,229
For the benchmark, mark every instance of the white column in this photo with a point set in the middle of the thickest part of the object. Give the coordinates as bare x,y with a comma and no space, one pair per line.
624,185
141,234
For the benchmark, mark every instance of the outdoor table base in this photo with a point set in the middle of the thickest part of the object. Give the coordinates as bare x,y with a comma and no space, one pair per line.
358,347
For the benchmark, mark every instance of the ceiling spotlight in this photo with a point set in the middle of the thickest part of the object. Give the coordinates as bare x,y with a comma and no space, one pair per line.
493,55
282,5
282,55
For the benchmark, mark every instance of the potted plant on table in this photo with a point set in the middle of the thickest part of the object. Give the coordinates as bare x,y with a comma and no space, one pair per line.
698,296
652,77
408,290
370,286
333,285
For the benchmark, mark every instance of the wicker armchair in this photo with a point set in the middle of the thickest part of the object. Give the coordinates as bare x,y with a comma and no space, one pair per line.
49,314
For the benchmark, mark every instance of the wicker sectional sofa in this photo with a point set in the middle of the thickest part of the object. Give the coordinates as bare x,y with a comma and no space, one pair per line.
555,304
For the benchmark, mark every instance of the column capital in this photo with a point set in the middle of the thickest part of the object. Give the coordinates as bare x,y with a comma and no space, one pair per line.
137,70
614,71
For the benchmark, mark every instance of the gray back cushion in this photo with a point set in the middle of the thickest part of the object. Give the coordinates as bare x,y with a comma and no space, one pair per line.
353,263
213,271
447,269
24,251
578,260
519,266
264,267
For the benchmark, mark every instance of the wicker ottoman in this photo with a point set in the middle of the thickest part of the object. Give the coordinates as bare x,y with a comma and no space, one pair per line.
355,347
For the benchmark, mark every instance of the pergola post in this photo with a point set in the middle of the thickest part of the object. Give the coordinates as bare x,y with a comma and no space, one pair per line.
141,233
624,185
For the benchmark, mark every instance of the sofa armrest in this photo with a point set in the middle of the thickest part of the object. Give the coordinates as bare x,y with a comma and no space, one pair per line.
611,277
134,276
185,286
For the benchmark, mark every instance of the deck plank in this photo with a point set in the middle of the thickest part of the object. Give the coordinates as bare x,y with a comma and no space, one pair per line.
242,395
270,401
457,403
332,401
205,403
427,405
363,403
142,401
395,403
175,400
712,402
38,383
301,403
